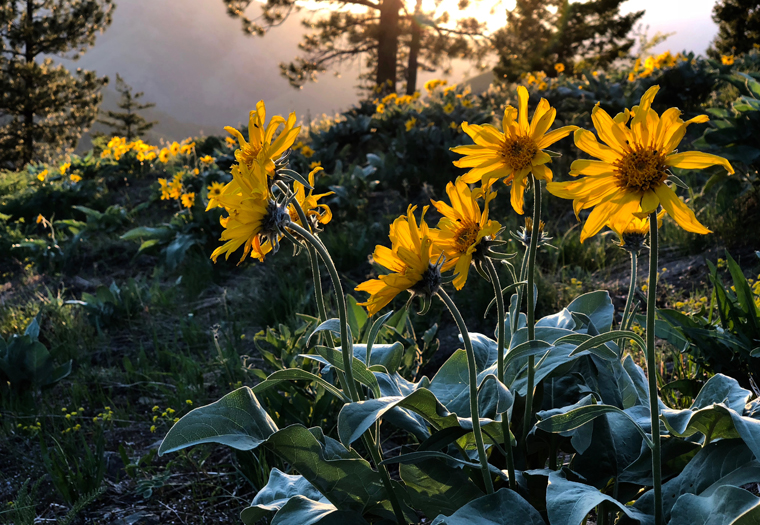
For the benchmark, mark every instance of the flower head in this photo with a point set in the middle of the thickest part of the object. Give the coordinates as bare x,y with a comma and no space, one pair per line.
410,123
307,152
163,155
727,60
262,146
462,227
526,232
215,190
75,178
630,179
255,221
559,67
317,213
41,176
632,231
188,199
409,260
64,167
515,152
207,159
448,108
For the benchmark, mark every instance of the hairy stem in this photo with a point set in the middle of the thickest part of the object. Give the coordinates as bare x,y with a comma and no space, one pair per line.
501,315
531,307
629,300
473,381
654,405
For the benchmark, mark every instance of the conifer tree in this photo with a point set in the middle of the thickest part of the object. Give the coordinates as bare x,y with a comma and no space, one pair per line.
542,33
128,123
44,108
392,42
738,27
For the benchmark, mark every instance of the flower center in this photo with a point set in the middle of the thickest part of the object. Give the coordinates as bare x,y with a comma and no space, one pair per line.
641,170
466,236
518,152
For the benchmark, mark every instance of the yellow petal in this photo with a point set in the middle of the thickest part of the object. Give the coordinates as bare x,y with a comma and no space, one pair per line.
681,213
517,193
697,160
586,141
590,167
554,136
522,107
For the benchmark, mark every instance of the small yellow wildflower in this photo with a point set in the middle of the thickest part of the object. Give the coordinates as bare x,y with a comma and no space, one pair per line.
467,103
188,199
559,67
207,159
75,178
542,86
163,155
40,218
174,149
189,402
728,60
448,108
64,167
41,176
64,409
152,428
410,123
380,108
231,143
307,152
155,408
315,164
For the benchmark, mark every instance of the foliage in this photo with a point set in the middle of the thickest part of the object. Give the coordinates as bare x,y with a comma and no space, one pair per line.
722,336
76,471
128,123
557,36
26,365
738,28
44,107
110,304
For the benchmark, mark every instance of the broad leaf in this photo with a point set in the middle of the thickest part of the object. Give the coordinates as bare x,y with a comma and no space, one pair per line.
436,488
236,420
300,510
276,493
492,510
597,306
721,507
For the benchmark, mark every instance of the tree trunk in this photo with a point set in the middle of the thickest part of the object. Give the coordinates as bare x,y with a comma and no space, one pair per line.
387,45
28,153
414,51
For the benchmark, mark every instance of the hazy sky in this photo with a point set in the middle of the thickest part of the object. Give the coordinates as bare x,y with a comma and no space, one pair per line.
194,62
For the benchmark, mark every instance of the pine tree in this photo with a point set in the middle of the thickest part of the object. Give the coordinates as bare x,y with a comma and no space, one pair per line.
44,108
542,33
738,27
391,42
128,123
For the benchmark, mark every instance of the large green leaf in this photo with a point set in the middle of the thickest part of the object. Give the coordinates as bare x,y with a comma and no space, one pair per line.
580,416
568,502
276,493
342,476
296,374
236,420
437,488
726,462
721,507
503,507
597,306
334,357
300,510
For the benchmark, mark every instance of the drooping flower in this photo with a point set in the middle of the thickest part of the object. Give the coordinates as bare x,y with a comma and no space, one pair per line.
632,231
462,227
410,261
255,221
515,152
314,211
262,146
632,174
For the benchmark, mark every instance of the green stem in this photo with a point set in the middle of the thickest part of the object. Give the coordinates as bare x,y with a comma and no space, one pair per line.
370,443
629,300
519,292
654,405
473,380
531,307
501,316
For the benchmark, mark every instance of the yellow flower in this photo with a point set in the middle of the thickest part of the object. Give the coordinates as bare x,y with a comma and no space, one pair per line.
728,60
380,108
186,148
408,258
40,218
196,171
246,199
41,176
262,146
430,85
174,149
207,159
542,86
389,98
453,125
315,164
310,203
231,143
307,152
152,428
467,103
448,108
64,167
163,155
631,77
215,190
630,179
188,199
105,153
559,67
632,231
516,152
189,402
75,178
462,227
410,123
